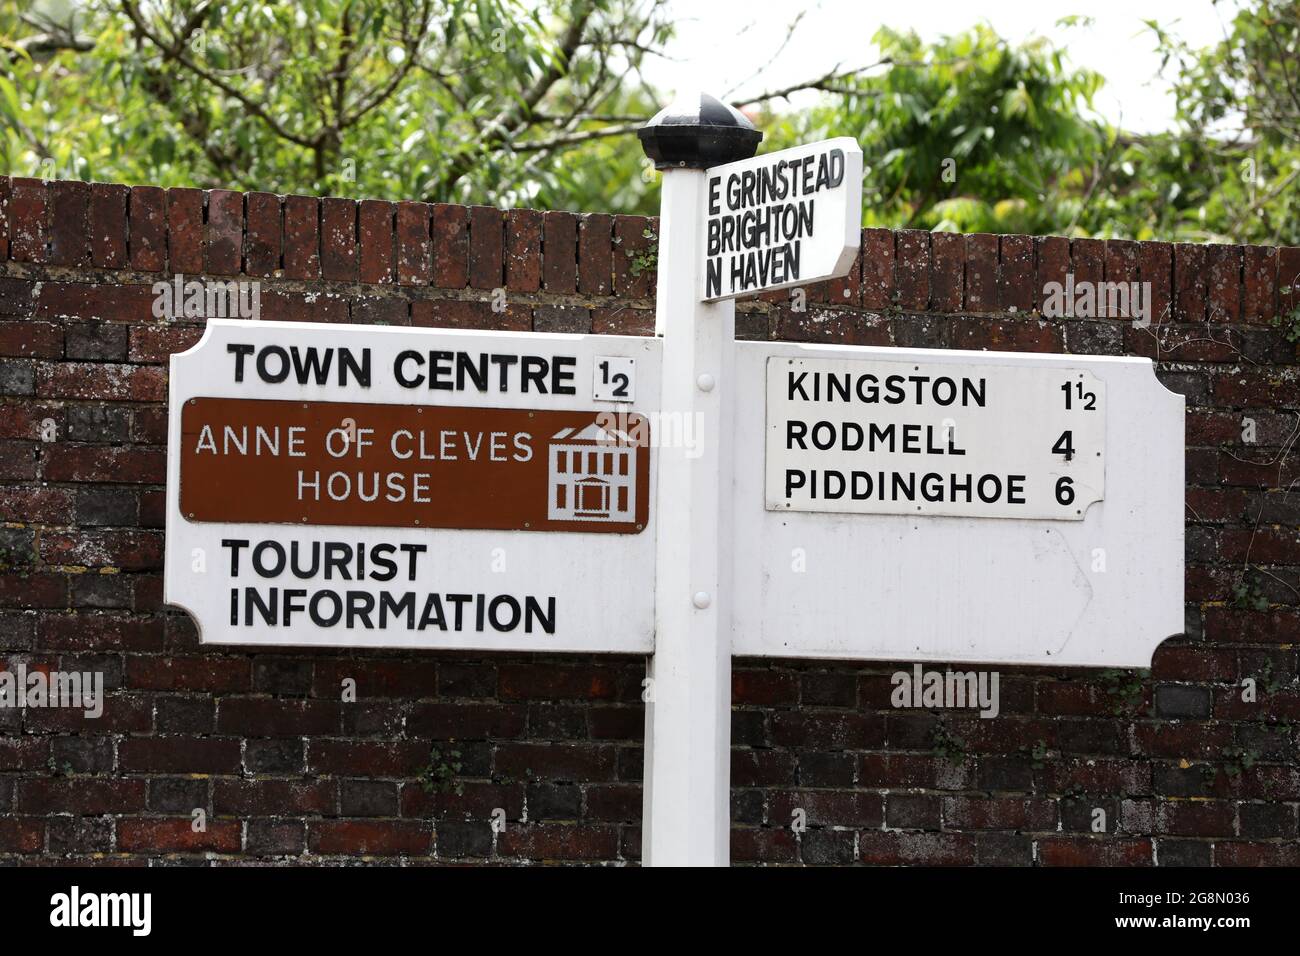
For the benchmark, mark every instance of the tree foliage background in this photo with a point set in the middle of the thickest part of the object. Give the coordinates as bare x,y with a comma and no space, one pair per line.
536,103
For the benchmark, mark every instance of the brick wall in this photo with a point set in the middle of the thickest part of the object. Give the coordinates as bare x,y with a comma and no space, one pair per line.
1185,770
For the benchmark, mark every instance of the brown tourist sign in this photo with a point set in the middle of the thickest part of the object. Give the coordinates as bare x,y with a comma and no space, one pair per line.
404,466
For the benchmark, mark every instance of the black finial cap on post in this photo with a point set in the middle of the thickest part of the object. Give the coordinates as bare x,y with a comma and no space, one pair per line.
697,132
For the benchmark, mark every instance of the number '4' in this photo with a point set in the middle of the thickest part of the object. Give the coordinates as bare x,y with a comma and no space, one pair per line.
1065,445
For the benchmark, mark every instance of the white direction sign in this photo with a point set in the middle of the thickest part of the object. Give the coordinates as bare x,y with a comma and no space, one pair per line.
782,219
897,576
918,437
355,486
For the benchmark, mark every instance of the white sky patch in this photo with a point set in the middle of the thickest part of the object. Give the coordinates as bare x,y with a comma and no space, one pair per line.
722,44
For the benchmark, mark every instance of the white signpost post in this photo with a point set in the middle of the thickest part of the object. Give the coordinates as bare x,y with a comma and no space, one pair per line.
373,487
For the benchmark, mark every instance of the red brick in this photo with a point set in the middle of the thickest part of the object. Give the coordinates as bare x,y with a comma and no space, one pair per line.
414,243
1007,335
273,797
846,291
462,314
912,269
214,675
41,590
147,239
877,268
892,848
826,808
18,458
559,252
827,730
1256,388
95,303
80,796
578,763
338,241
380,311
618,320
451,249
1121,260
631,247
1016,274
262,241
763,688
1259,288
1088,260
1172,343
102,381
766,845
1052,264
99,632
539,681
370,837
29,220
185,230
280,306
65,462
1094,851
1288,279
762,768
107,225
523,250
462,720
947,271
820,323
33,504
1190,265
6,191
1223,283
21,835
595,260
129,550
378,237
301,237
224,233
144,835
559,842
178,754
23,753
1155,265
486,252
369,758
265,717
31,340
999,813
1233,626
981,273
156,343
1203,818
376,678
1242,853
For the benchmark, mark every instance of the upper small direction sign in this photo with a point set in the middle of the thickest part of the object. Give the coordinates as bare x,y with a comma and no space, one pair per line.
782,219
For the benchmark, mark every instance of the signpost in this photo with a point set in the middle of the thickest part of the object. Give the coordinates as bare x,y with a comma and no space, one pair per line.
375,487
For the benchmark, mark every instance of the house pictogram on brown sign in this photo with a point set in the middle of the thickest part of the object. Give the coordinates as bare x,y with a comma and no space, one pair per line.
592,475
